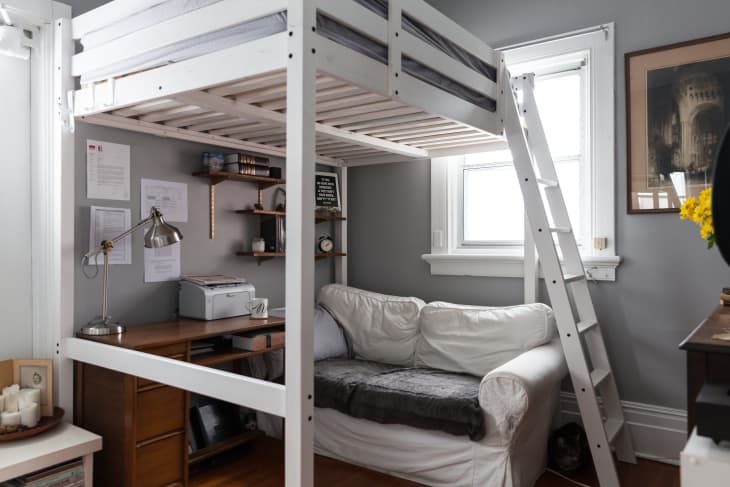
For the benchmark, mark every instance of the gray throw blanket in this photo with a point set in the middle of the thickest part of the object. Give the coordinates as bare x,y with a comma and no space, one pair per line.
388,394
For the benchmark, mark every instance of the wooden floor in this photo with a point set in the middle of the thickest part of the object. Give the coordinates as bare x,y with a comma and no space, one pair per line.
262,466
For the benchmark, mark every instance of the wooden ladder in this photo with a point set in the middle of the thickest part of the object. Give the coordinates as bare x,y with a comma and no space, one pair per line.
580,333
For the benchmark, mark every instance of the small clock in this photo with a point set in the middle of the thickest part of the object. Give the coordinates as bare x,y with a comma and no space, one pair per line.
325,243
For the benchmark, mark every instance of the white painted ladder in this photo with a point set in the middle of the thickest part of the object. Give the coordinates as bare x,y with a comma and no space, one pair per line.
580,334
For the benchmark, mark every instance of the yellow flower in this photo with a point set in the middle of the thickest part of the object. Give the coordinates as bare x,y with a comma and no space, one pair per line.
706,230
688,208
699,210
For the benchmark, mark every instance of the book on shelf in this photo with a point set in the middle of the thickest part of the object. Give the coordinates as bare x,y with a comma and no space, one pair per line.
254,170
247,159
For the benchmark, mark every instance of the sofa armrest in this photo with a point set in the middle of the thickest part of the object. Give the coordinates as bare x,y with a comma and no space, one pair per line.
508,393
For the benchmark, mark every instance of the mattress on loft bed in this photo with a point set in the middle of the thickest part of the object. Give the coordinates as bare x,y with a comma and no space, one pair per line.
273,24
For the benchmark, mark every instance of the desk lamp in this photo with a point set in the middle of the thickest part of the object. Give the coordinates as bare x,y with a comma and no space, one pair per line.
160,234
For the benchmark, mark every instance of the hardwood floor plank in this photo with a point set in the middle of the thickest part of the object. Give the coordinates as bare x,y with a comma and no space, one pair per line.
262,465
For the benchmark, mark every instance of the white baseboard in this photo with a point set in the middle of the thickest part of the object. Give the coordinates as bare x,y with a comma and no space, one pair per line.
659,433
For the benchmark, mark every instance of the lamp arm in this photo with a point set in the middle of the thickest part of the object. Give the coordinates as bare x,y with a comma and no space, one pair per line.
108,244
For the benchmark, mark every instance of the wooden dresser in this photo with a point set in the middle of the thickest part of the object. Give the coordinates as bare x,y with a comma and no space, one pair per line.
708,359
144,424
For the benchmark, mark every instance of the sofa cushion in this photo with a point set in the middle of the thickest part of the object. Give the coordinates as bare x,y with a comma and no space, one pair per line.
419,397
381,328
475,339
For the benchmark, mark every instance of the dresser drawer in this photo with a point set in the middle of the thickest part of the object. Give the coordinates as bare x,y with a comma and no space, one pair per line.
162,462
159,411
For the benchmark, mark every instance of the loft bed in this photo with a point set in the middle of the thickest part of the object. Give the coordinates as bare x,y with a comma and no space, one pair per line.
336,82
166,70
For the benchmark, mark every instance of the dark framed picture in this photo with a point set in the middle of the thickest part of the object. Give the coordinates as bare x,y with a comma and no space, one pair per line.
327,192
677,109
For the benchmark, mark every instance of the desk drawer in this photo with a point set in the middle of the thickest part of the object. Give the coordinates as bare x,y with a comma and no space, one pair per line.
175,351
161,462
159,411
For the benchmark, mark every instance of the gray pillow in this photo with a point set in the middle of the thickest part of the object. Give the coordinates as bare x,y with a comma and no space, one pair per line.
329,339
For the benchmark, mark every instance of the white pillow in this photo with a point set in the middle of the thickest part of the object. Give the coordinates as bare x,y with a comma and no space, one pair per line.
381,328
475,339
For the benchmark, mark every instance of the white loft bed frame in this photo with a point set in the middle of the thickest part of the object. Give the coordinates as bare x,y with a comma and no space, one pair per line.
300,96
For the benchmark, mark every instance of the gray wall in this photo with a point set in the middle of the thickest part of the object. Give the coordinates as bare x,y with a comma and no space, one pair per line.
132,300
668,281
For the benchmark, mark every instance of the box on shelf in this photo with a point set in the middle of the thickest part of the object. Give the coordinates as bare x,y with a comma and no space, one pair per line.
213,161
70,474
259,340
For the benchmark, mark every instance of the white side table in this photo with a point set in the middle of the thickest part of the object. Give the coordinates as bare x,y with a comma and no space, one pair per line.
703,463
61,444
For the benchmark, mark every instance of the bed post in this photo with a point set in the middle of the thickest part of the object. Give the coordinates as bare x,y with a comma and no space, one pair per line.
300,168
341,229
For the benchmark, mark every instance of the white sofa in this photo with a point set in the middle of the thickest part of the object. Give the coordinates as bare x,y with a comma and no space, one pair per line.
514,349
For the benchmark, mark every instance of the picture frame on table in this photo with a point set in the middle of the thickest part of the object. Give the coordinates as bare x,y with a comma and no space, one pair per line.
36,374
677,109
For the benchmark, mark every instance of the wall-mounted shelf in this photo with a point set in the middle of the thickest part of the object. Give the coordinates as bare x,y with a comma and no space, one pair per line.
220,176
216,177
318,217
262,256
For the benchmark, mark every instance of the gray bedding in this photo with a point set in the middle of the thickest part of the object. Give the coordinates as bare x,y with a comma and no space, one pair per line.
389,394
272,24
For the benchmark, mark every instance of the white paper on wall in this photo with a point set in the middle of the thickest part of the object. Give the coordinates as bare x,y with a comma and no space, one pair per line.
162,264
105,224
107,170
169,197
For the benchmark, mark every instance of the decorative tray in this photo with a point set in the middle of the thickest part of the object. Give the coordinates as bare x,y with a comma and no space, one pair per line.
46,423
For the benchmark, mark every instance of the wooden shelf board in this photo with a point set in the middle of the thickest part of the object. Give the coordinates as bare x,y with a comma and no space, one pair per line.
222,446
318,217
271,255
229,354
219,176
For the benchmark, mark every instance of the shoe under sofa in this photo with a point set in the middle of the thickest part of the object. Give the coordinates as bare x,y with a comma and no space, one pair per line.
438,393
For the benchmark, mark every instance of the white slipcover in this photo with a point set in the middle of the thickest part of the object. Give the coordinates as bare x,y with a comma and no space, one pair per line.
519,400
475,339
382,328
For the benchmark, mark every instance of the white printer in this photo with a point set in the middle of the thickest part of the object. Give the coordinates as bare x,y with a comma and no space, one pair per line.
215,296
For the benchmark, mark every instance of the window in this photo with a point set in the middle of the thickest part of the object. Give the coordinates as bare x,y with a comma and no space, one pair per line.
477,210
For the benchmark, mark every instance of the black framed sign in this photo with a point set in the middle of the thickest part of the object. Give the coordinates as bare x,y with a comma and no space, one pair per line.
327,191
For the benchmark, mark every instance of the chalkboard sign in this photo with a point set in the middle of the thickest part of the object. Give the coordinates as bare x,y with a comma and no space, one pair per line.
326,191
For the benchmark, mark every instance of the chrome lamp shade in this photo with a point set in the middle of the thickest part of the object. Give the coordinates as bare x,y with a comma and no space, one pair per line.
160,234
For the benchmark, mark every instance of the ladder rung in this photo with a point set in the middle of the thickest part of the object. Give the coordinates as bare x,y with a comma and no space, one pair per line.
560,229
599,375
613,426
584,326
549,183
568,278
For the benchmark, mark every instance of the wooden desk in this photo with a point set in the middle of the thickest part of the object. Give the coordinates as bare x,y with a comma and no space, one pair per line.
61,444
708,359
144,423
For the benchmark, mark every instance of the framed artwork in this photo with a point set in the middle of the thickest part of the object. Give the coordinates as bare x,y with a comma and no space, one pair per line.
36,374
677,109
327,192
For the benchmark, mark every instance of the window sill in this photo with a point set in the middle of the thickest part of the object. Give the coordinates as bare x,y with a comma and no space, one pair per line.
598,268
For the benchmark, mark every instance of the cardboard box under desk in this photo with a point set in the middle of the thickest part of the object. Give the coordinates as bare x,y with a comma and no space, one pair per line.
259,340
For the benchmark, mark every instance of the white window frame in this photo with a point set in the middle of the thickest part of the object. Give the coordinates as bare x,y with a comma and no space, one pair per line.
448,257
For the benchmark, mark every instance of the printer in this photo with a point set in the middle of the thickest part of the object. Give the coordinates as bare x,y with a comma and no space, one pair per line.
212,297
